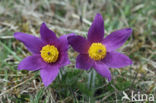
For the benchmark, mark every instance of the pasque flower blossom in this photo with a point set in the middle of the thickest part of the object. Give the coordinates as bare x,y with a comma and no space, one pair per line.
99,52
49,53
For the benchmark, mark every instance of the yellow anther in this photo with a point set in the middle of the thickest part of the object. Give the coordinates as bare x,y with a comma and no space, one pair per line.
49,53
97,51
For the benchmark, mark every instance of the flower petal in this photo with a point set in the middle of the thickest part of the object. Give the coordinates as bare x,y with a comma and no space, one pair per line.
31,63
116,60
32,43
47,35
64,42
103,70
63,59
79,44
117,38
84,62
96,31
48,74
63,49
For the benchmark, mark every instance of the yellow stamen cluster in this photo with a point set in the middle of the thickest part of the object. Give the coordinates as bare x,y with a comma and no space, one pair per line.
97,51
49,53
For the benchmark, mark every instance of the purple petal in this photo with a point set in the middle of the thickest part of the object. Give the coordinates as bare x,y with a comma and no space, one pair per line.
31,63
63,49
63,59
116,60
96,31
117,38
32,43
64,42
48,74
47,35
84,62
103,70
79,44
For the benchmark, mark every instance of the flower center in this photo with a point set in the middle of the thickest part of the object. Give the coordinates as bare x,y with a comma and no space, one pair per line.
49,53
97,51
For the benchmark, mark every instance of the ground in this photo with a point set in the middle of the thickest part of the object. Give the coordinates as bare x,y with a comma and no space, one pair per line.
74,85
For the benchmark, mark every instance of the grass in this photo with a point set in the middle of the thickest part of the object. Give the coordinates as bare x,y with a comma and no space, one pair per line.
73,85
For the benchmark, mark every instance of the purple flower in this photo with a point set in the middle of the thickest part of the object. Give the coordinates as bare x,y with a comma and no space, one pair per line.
99,52
49,53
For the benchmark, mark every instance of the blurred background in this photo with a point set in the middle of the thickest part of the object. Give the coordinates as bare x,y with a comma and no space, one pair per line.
73,85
